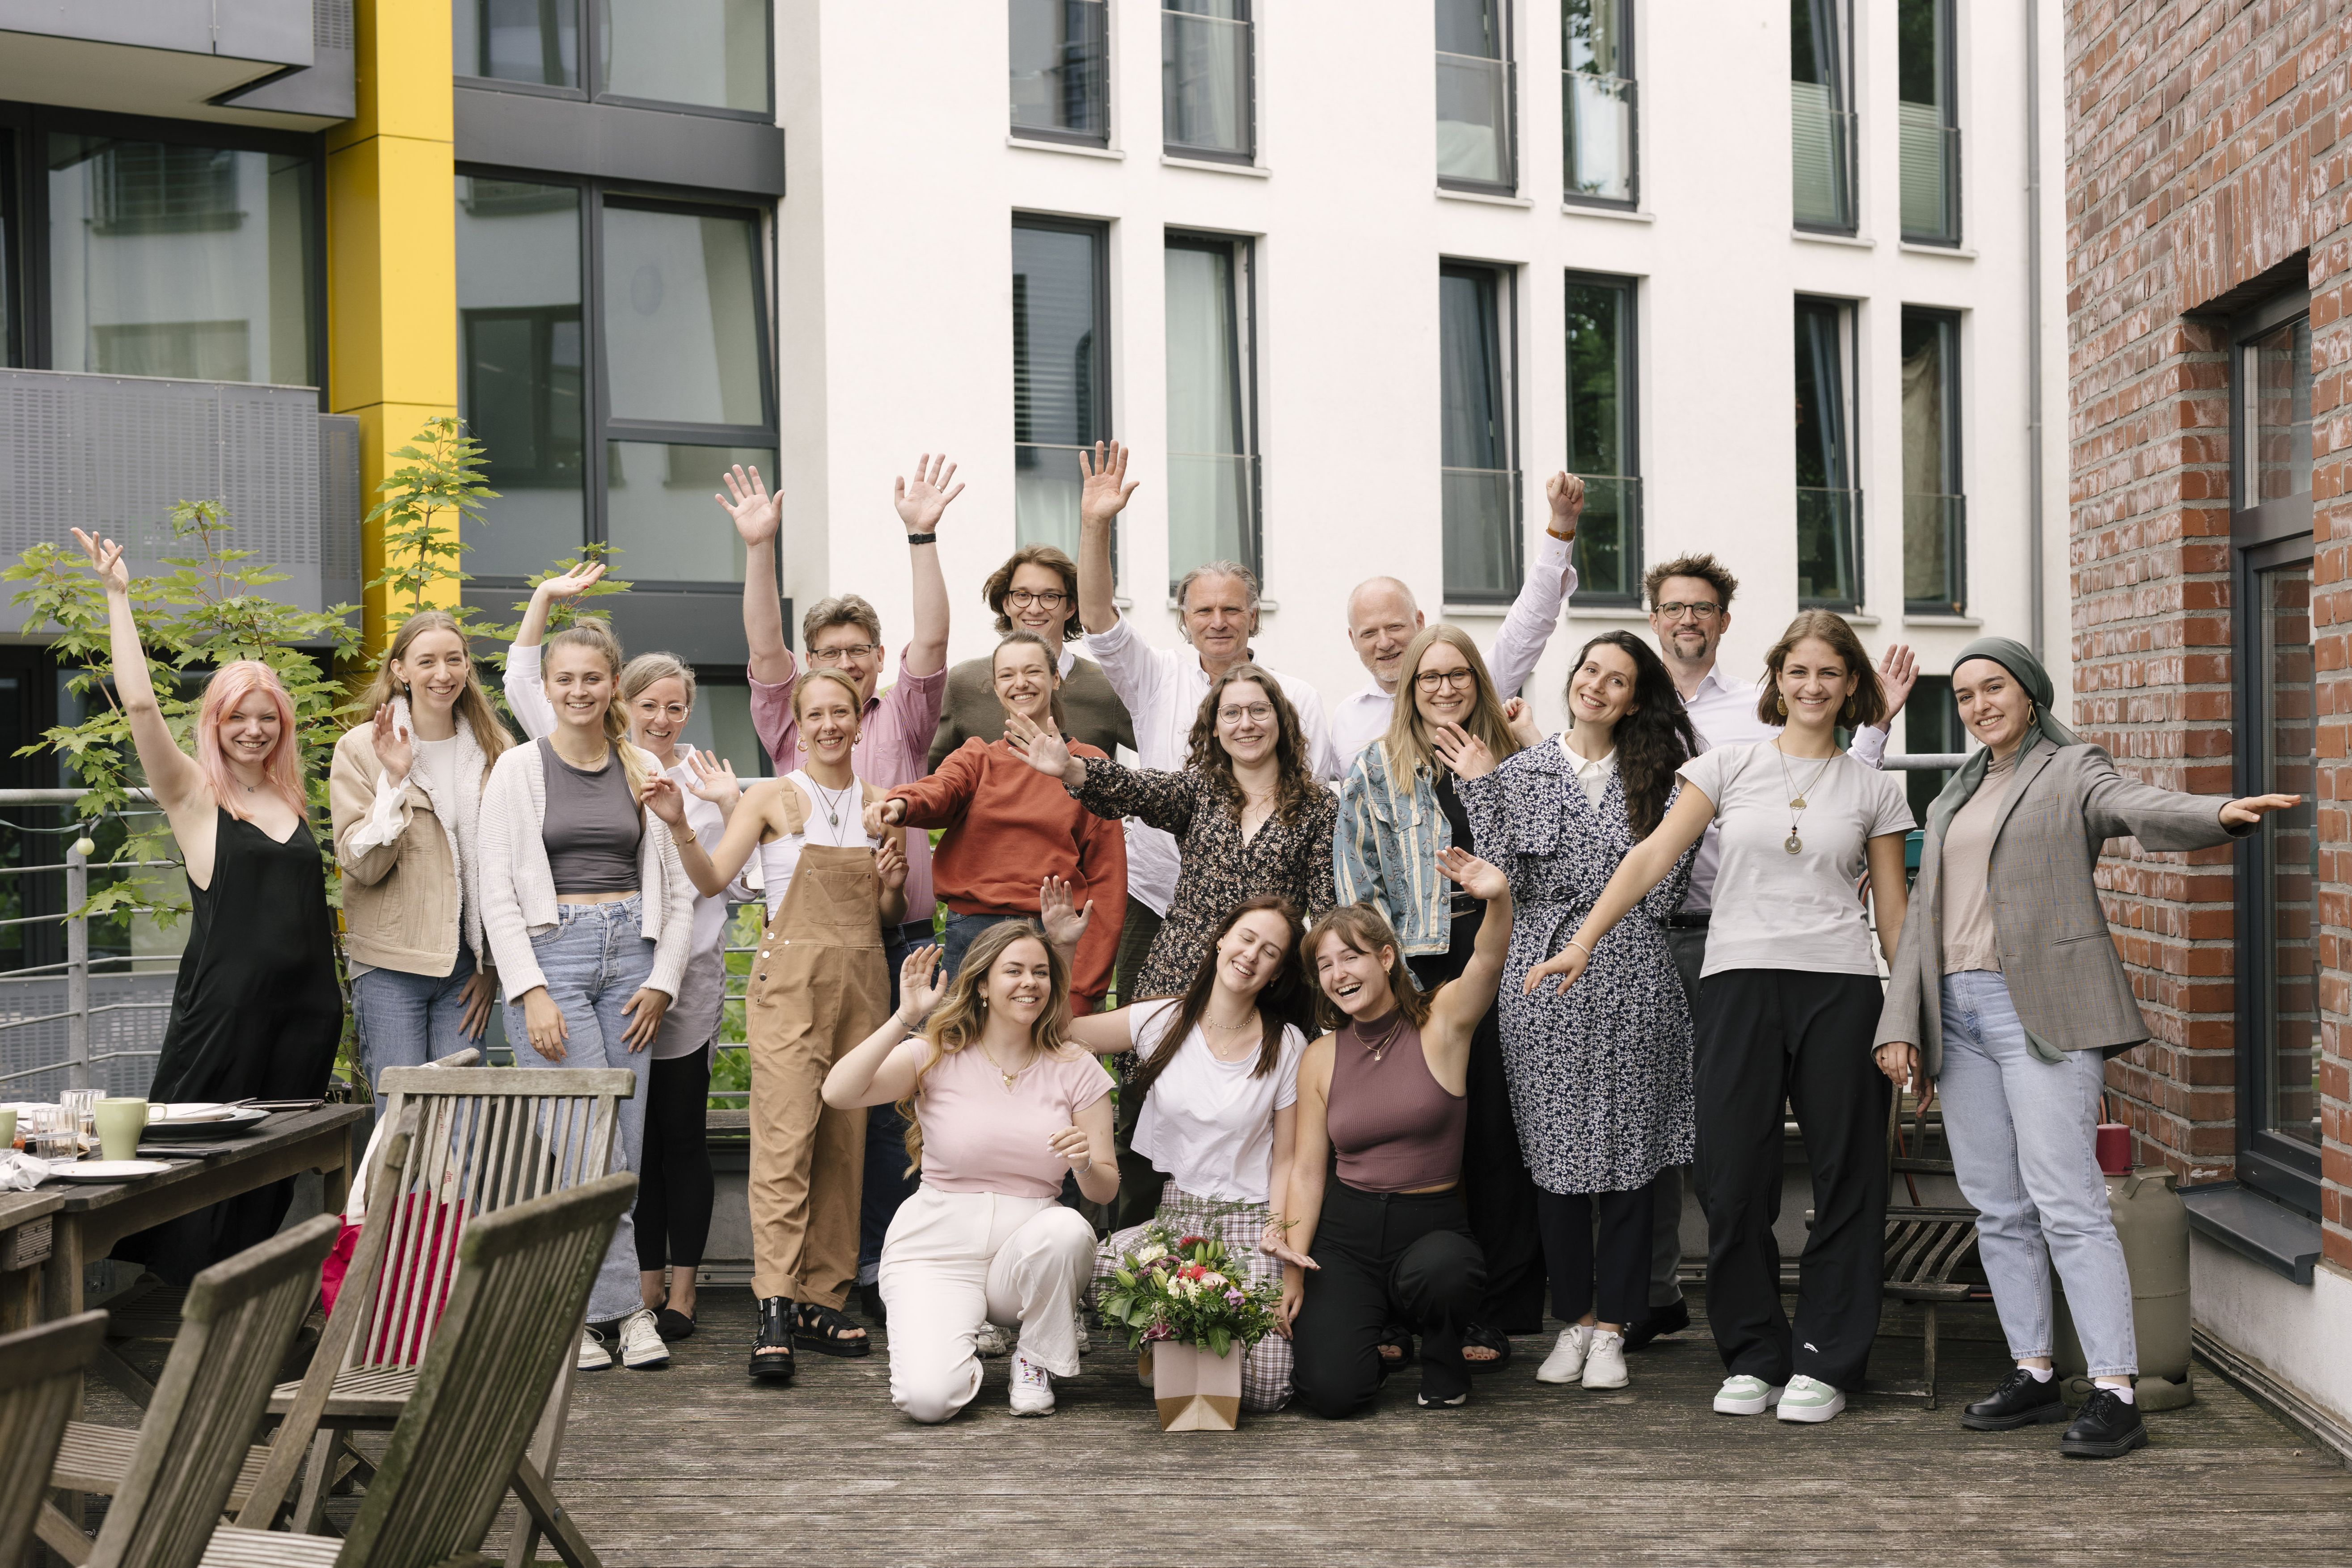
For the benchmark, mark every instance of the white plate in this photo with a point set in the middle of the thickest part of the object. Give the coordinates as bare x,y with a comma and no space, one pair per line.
104,1170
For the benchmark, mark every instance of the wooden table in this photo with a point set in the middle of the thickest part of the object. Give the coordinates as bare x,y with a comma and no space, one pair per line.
27,1222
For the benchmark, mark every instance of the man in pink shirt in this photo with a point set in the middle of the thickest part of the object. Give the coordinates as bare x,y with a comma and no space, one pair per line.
893,734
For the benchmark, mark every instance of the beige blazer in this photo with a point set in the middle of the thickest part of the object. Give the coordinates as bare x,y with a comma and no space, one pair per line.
2062,972
408,871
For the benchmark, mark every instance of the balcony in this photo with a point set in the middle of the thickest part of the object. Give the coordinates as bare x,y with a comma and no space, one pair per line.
1598,157
110,453
1929,153
1829,548
1934,554
1211,510
1474,122
1479,509
1821,141
288,63
1609,542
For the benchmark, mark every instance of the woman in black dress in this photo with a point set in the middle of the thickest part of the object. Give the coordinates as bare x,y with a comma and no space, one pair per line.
257,1013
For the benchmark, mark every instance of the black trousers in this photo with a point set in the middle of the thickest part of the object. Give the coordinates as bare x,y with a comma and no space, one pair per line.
1611,1279
1384,1257
886,1183
1496,1187
674,1181
1766,1036
1139,1181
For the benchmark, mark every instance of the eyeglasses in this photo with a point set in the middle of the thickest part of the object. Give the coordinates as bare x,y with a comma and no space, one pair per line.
1431,680
844,653
1256,712
1697,610
1048,599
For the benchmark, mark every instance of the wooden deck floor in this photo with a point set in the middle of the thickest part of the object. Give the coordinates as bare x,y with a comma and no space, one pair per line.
695,1465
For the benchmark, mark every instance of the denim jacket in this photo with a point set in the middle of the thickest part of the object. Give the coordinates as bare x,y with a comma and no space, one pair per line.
1385,852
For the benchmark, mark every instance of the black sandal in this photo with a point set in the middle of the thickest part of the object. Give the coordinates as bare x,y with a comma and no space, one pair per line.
828,1331
1485,1338
1394,1347
771,1352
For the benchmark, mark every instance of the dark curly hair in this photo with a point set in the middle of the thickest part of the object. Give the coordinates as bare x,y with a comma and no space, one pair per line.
1653,739
1294,794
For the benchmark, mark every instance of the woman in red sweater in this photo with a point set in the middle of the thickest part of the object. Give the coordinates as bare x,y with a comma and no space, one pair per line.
1009,828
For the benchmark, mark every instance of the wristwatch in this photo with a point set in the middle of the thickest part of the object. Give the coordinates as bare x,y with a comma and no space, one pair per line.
922,539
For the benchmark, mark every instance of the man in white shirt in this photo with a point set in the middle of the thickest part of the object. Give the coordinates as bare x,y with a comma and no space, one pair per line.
1382,618
1690,609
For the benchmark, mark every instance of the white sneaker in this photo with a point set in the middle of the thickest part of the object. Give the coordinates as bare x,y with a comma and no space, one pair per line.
1744,1395
1810,1399
1604,1364
990,1340
594,1354
641,1341
1566,1362
1033,1388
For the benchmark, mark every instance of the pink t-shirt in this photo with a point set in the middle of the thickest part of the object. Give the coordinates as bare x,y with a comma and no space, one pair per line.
982,1137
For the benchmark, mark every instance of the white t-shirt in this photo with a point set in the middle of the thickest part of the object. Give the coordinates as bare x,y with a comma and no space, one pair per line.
1209,1124
778,859
1776,910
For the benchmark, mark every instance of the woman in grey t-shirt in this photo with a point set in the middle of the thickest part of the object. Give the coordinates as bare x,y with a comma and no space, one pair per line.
1787,1011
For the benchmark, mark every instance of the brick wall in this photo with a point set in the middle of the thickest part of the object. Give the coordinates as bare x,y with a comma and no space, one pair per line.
2208,157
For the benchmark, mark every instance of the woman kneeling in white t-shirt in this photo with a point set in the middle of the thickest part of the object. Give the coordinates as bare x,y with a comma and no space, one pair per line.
998,1105
1217,1073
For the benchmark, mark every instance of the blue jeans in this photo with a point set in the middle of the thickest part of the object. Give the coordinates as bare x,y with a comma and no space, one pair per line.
887,1184
405,1020
962,932
2022,1132
595,961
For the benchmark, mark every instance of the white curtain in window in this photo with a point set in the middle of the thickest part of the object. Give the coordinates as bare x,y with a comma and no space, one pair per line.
1208,469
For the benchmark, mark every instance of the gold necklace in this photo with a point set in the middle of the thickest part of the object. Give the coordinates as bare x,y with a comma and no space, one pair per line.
1377,1051
1007,1076
1796,803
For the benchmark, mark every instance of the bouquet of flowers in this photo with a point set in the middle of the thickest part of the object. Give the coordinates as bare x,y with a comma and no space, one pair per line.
1187,1289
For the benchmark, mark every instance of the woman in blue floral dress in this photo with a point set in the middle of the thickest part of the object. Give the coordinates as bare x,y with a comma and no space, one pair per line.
1600,1077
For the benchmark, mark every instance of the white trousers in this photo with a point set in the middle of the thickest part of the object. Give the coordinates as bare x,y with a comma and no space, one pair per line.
951,1260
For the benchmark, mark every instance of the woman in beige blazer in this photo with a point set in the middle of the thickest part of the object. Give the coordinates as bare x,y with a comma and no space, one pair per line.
2006,994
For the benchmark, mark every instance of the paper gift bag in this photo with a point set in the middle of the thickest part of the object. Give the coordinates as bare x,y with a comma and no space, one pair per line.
1196,1392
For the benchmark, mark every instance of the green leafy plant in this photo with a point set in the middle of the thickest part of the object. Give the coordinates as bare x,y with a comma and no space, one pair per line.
422,517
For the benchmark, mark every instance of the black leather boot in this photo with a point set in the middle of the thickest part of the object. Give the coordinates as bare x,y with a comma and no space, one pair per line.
2106,1428
771,1352
2022,1400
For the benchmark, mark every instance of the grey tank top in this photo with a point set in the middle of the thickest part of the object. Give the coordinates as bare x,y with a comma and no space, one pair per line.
593,825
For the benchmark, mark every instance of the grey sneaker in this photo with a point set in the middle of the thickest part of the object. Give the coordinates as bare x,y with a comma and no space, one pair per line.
990,1340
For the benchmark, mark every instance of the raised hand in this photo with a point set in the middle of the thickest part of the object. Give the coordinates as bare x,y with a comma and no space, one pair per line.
1898,671
1104,486
106,559
2255,807
665,800
890,865
1465,754
923,500
1568,963
1043,745
919,985
714,779
394,751
1064,924
1565,493
757,515
1481,881
572,583
1521,717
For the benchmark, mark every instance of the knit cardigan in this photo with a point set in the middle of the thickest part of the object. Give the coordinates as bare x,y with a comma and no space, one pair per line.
519,890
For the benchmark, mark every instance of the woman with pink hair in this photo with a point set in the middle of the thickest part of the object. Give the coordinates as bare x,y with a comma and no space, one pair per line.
257,1013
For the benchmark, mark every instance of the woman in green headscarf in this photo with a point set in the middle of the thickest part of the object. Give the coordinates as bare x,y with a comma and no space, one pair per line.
2007,996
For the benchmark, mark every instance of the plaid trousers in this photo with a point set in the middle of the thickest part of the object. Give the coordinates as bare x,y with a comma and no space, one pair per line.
1265,1366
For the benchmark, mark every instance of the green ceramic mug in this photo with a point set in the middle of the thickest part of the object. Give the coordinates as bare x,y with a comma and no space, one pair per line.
8,1127
120,1123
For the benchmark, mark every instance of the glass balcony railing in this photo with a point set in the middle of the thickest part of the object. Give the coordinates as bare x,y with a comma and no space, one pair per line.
1474,120
1479,509
1609,541
1060,62
1930,159
1211,510
1598,112
1820,138
1934,554
1046,482
1829,548
1204,90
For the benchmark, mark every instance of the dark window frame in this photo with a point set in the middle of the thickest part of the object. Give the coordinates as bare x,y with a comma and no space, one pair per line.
1506,280
1840,16
1948,87
1631,75
1242,248
1849,314
1055,136
28,127
1248,156
2265,536
1098,230
603,428
1955,457
1629,405
586,37
1505,34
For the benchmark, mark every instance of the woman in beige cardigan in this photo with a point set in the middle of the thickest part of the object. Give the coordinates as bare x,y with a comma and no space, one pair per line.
2006,992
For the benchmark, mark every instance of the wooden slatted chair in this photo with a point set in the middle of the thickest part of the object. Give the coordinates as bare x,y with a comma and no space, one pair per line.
1926,1246
482,1140
511,1327
40,1373
236,1323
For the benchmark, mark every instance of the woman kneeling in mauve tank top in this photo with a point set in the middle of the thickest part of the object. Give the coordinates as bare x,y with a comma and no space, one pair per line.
1390,1240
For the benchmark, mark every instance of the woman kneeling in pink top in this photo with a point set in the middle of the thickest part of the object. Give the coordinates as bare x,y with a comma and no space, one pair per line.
998,1107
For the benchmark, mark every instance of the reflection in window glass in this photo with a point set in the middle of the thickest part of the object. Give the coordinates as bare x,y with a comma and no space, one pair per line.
174,260
1929,142
1057,378
1210,480
721,725
1597,96
2277,379
1600,437
1821,119
2287,978
1828,507
535,41
522,379
709,52
1935,513
1473,94
1478,490
681,316
660,516
1059,52
1205,67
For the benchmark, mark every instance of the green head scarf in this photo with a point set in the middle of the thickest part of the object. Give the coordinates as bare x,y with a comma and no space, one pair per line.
2018,660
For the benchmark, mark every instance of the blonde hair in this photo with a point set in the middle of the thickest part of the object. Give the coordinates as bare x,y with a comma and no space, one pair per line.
958,1020
1405,748
473,704
647,668
593,634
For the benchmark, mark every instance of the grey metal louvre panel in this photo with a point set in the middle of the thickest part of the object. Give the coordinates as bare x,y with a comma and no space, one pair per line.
340,511
332,27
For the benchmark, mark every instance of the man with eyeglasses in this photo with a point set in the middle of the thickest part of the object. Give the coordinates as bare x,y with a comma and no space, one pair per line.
1690,609
1382,618
1035,591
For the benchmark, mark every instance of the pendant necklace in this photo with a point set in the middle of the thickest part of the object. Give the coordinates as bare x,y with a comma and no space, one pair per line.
1797,801
1007,1076
1386,1040
832,803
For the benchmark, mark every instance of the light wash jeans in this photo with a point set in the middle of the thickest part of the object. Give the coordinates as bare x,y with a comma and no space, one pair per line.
405,1020
2022,1132
595,959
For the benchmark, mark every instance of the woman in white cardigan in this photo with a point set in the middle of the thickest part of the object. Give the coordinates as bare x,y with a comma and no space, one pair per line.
591,919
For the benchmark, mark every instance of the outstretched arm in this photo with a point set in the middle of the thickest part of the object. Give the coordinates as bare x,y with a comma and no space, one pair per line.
567,585
921,502
1461,1003
172,773
1643,868
757,515
1103,491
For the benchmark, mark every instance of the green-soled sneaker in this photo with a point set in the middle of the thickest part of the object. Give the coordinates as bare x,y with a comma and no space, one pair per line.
1744,1395
1810,1399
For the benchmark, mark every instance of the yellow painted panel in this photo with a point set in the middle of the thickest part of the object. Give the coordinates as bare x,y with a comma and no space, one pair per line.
385,427
354,278
405,85
418,234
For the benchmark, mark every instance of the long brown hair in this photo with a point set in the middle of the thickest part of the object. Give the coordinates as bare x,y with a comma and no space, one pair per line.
1284,1000
960,1018
1364,928
1866,706
1295,788
594,634
473,704
1405,748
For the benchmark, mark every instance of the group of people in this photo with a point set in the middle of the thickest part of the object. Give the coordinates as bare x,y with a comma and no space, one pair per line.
1423,1012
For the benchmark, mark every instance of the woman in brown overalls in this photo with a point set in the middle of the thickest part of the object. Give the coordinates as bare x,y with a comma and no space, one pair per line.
818,987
